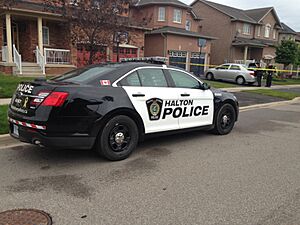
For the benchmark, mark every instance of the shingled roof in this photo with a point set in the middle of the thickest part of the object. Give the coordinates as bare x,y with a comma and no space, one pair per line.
287,30
161,2
250,16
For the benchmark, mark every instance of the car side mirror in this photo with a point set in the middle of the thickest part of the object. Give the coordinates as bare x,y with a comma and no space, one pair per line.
204,86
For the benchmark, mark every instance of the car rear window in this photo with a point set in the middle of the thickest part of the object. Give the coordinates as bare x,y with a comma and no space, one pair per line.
85,75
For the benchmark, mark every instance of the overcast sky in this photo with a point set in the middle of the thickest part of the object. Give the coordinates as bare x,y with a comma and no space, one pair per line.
287,10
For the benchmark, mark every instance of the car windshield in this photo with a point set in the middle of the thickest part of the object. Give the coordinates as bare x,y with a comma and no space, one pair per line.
84,75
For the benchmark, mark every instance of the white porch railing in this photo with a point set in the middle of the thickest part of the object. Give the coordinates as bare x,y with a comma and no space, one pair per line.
57,56
4,54
40,59
17,59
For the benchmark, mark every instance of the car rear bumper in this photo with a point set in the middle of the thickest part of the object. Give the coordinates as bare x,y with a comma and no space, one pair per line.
37,137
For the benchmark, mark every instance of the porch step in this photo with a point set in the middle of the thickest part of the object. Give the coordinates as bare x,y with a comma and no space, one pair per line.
29,70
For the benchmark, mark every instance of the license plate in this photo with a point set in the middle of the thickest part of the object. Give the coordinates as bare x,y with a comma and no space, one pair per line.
16,130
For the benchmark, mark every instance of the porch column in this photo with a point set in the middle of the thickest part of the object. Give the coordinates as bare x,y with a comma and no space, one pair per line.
40,35
245,54
8,38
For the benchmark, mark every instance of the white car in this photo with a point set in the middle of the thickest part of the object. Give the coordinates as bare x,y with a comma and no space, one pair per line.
231,72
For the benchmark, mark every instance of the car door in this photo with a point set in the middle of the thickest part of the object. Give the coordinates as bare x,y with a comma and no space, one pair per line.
148,91
233,72
195,106
222,71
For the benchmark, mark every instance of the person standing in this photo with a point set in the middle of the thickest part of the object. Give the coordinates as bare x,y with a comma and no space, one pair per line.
270,73
258,74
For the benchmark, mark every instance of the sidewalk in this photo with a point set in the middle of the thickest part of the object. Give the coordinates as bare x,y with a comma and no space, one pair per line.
4,101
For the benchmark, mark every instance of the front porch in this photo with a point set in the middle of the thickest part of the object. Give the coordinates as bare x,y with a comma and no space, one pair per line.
34,45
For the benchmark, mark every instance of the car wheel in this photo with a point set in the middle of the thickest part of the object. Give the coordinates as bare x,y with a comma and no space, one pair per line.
240,80
210,76
225,120
118,138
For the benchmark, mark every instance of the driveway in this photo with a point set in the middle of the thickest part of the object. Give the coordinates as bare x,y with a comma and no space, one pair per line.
250,177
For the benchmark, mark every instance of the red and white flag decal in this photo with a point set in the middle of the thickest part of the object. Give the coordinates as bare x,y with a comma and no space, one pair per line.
105,82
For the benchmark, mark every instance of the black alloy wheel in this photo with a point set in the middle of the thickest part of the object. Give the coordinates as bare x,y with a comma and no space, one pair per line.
225,120
118,138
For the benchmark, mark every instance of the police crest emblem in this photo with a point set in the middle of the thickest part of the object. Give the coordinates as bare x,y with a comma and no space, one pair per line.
154,107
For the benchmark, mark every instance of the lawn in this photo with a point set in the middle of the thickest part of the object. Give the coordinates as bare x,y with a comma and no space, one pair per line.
278,81
217,84
3,119
275,93
8,85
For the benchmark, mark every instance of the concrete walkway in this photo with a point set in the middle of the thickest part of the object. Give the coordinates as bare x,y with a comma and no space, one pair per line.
4,101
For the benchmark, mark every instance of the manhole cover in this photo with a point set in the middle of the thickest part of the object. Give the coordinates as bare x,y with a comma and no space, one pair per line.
24,217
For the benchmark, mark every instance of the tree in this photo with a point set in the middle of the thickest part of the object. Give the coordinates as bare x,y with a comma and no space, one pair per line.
287,53
92,23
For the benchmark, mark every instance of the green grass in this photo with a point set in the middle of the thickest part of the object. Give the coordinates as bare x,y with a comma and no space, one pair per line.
278,81
217,84
3,119
8,85
275,93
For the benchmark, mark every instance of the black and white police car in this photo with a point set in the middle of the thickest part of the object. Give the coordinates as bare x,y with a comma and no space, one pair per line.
111,107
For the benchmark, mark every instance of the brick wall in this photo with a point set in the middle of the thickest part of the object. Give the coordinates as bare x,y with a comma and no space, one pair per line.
220,27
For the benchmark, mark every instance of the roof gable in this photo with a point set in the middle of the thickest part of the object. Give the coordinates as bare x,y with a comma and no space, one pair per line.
234,13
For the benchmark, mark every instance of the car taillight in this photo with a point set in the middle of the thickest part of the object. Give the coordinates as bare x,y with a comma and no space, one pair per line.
251,73
55,99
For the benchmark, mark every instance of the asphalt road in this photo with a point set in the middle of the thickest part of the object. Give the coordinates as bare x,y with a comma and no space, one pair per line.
250,177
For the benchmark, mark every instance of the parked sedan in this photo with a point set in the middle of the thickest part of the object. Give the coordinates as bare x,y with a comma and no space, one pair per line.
231,72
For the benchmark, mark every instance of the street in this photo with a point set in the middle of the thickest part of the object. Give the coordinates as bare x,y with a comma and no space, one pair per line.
250,177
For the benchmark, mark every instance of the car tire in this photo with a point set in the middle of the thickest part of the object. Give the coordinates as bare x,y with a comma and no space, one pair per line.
210,76
240,80
225,120
118,138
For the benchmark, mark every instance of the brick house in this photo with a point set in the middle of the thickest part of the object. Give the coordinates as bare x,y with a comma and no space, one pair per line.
31,36
174,33
242,34
287,33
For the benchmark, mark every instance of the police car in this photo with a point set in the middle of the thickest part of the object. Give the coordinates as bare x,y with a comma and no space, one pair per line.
111,107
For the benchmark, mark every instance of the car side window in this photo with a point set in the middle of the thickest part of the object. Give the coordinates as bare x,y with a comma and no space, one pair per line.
131,80
223,67
183,80
235,67
152,77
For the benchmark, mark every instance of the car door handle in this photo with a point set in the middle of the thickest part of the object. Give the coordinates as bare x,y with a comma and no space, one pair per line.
185,95
138,95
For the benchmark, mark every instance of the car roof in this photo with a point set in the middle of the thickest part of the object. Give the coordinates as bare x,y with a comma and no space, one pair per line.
124,67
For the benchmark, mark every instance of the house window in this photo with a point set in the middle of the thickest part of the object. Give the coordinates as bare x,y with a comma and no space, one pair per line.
258,31
274,34
177,16
188,25
246,29
267,30
46,40
161,14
